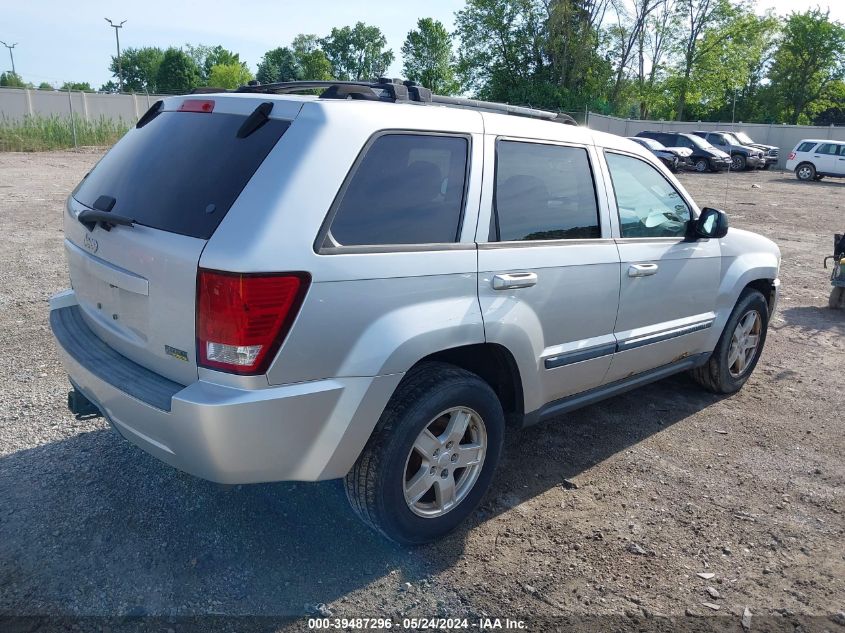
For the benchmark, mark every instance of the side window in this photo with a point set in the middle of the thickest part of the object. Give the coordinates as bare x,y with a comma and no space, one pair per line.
682,141
827,148
842,150
649,206
544,192
407,189
668,140
806,147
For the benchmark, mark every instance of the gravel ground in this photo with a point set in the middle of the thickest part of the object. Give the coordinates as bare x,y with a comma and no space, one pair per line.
614,513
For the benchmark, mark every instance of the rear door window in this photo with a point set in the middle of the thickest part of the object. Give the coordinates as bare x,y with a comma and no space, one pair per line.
828,148
182,171
544,192
407,189
806,147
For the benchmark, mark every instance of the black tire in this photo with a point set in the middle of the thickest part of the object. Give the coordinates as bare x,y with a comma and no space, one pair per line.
767,166
701,165
716,375
805,172
375,485
738,162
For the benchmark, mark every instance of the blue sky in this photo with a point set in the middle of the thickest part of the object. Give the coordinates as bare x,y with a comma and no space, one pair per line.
67,40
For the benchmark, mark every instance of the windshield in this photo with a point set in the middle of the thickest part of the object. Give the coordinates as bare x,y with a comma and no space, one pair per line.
743,137
733,140
697,141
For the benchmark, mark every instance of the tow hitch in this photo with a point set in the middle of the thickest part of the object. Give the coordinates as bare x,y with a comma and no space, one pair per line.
81,406
837,275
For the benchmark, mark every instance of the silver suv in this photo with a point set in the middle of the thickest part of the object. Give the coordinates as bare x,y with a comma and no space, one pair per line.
373,283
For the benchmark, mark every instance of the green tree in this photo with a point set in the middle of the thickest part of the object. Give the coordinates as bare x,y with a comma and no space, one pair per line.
45,86
357,52
697,17
427,57
206,57
110,87
229,76
278,64
311,61
808,62
11,80
178,73
82,86
139,67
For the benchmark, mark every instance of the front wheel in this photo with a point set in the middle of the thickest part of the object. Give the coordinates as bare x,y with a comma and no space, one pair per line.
431,457
739,347
701,165
738,162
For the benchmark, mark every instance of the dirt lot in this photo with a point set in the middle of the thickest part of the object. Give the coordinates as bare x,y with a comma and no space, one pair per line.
669,481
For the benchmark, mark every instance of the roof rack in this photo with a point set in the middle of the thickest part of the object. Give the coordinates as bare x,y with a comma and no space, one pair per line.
395,90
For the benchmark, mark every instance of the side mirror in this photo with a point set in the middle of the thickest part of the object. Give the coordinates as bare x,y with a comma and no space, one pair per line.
711,223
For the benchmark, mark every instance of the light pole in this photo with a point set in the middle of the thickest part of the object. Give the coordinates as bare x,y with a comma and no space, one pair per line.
10,47
117,39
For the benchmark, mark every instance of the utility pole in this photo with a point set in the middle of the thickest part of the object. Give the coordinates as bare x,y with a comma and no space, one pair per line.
117,39
10,47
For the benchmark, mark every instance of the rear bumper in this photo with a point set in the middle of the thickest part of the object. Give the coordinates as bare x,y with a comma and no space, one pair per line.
306,431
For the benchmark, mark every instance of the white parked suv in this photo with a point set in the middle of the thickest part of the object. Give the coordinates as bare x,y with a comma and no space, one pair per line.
373,283
813,159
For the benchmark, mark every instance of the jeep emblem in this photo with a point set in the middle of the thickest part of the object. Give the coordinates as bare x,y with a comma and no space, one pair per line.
90,243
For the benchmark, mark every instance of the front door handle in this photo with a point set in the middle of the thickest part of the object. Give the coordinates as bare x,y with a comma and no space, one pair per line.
509,281
642,270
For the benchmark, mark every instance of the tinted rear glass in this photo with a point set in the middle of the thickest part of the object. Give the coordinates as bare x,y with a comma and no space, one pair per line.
544,192
806,147
407,189
182,171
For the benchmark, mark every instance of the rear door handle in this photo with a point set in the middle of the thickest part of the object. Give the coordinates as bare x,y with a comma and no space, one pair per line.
509,281
642,270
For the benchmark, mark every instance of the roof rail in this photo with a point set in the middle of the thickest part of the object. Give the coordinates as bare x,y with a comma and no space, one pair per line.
395,90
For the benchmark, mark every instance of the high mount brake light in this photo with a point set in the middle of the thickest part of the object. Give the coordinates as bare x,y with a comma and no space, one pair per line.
243,318
197,105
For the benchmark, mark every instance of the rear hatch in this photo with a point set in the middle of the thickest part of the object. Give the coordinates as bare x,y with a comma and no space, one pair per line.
176,176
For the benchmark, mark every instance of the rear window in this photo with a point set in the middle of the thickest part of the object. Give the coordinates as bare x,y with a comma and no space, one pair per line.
544,192
407,189
806,147
182,171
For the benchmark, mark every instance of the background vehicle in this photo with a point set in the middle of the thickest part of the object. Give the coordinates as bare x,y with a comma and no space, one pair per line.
742,157
275,287
813,159
704,156
674,158
770,152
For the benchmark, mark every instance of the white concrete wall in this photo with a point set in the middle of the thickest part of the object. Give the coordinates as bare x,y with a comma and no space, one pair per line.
16,103
786,137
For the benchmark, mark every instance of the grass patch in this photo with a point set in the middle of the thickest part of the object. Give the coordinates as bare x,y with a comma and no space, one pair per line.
39,133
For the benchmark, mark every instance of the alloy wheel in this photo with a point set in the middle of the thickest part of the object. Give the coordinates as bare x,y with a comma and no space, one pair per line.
445,462
805,172
701,165
744,343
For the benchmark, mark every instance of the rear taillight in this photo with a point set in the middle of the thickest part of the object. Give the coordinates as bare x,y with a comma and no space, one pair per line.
243,318
791,155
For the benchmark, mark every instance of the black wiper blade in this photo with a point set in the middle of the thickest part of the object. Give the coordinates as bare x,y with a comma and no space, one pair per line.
90,217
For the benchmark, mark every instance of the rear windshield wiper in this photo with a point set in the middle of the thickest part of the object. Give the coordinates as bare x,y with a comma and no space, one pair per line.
90,217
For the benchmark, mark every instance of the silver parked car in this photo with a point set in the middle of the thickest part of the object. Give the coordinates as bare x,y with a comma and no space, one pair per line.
373,283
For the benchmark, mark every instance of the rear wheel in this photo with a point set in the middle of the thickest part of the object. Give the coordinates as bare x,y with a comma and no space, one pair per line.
738,162
805,171
431,457
739,347
701,165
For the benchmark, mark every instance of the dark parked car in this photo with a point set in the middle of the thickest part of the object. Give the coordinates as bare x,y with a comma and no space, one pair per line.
770,152
704,156
675,158
742,156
